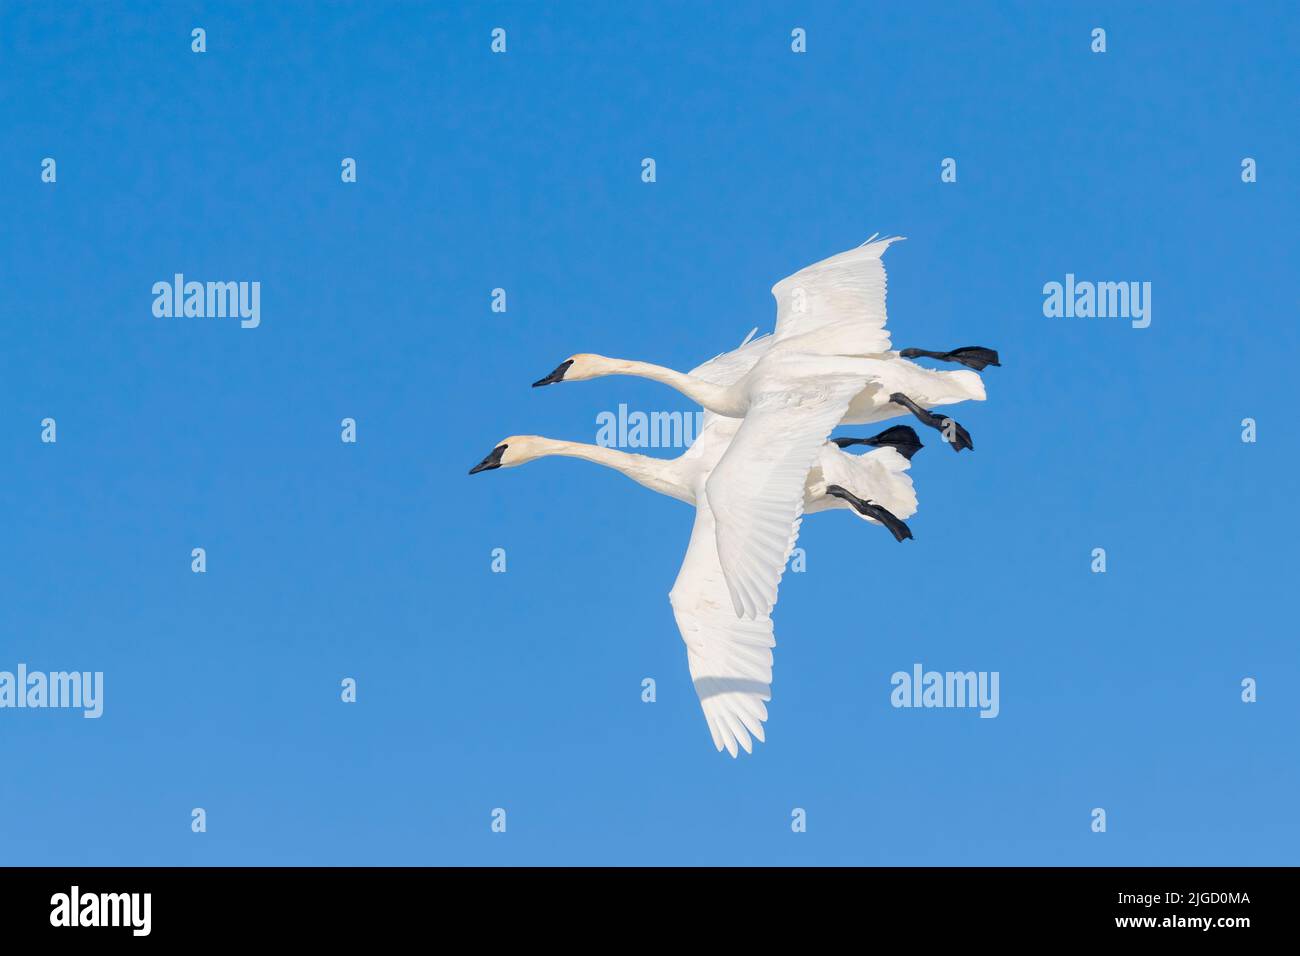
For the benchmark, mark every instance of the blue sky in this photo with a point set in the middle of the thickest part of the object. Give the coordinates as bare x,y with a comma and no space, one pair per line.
521,690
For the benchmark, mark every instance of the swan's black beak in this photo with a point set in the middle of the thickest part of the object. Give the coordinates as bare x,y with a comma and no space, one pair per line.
491,461
556,376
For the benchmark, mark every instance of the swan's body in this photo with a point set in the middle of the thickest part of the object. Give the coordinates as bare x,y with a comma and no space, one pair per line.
729,658
828,363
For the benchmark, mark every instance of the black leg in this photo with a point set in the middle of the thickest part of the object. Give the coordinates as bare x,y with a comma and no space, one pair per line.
972,356
868,509
952,432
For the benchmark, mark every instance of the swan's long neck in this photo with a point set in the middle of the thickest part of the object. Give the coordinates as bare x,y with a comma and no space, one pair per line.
722,400
657,474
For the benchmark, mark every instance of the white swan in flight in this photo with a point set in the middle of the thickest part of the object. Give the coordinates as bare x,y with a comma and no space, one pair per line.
827,363
730,659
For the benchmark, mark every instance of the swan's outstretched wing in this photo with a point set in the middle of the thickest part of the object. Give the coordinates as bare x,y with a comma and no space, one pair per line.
757,489
730,660
836,306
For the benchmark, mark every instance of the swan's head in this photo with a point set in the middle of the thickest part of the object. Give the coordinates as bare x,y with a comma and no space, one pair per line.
577,368
512,451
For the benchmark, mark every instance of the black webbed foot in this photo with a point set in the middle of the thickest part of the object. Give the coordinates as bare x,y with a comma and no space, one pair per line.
868,509
972,356
902,438
951,430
